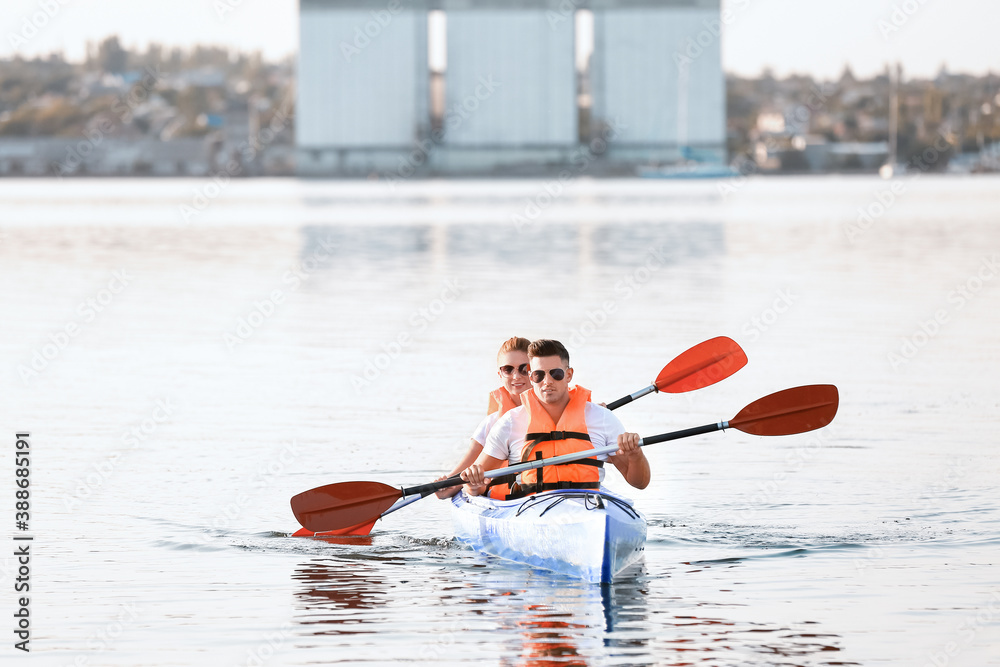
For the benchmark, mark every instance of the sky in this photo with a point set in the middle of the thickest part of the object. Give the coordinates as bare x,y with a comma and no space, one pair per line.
817,37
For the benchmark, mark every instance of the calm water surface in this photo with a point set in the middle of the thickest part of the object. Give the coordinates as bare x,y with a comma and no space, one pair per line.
187,358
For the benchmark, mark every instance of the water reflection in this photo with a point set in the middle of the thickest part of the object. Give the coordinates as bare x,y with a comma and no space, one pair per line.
365,243
606,245
532,618
722,641
558,244
338,596
549,639
620,245
542,619
625,601
694,630
549,620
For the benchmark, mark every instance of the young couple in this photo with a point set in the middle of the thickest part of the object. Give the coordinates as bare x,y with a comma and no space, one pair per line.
543,419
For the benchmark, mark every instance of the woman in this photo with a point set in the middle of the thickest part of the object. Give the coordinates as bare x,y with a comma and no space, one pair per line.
512,367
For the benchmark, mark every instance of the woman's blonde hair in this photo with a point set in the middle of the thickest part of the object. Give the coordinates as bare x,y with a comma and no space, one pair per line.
515,344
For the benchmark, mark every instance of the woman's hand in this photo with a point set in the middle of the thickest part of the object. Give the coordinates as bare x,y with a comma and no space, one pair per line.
447,492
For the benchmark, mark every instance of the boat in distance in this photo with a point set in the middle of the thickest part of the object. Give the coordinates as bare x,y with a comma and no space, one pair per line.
588,534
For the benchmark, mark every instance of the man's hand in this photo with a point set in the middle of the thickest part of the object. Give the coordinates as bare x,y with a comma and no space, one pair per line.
628,445
630,461
475,480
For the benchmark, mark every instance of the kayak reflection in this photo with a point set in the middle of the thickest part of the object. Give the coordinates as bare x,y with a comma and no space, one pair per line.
625,602
580,628
549,640
542,619
546,619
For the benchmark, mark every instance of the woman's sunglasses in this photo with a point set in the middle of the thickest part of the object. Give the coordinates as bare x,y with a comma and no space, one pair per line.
509,370
557,374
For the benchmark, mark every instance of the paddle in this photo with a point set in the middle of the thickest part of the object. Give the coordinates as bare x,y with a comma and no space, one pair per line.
703,365
344,504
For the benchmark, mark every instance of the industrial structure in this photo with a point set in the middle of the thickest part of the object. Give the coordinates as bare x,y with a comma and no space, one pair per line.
518,87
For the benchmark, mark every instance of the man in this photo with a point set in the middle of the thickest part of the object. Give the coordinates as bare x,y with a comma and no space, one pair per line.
553,420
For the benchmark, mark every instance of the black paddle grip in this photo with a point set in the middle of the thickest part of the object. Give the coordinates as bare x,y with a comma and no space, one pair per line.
620,402
427,489
676,435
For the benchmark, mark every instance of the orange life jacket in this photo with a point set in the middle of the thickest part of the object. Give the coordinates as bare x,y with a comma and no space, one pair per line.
500,401
545,439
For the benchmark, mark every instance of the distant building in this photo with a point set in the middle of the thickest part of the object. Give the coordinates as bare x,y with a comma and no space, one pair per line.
657,71
59,156
362,84
512,97
510,87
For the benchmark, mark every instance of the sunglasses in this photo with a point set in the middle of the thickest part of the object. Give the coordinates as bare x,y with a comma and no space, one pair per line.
557,374
509,370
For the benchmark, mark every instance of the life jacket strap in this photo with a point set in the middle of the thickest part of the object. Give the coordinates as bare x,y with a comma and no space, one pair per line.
505,479
539,473
557,435
512,479
521,492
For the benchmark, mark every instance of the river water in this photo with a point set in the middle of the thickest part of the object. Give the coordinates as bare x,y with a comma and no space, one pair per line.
187,356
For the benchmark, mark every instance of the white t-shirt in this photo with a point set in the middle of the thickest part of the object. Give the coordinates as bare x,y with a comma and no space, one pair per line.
483,430
506,438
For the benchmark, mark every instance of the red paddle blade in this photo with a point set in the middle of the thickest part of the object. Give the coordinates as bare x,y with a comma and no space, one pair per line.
360,530
703,365
795,410
343,505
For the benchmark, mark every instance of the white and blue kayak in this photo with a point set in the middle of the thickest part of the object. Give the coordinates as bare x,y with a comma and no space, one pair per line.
589,534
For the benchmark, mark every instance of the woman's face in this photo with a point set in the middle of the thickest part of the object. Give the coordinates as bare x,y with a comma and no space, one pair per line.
515,381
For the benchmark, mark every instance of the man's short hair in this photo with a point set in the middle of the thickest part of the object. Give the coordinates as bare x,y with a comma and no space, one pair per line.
515,344
548,348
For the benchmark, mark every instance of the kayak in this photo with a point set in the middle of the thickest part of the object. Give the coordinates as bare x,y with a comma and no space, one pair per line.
589,534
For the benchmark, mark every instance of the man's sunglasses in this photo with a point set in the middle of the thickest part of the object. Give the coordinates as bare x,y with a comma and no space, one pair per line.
557,374
509,370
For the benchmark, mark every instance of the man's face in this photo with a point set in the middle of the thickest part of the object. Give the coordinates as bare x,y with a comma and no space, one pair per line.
548,389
